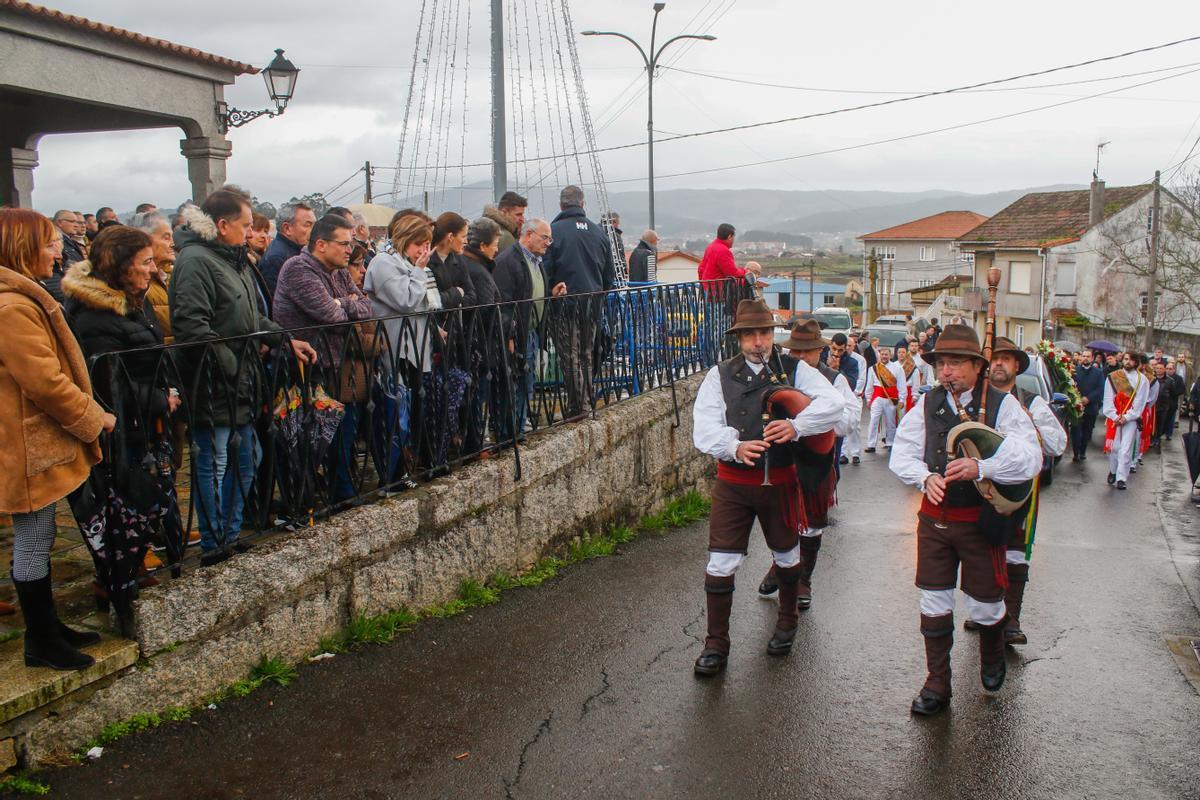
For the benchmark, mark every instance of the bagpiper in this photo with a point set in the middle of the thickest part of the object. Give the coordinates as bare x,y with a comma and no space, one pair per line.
958,531
1009,361
817,472
756,472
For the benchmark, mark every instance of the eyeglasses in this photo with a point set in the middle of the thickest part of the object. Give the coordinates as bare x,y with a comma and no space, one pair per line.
547,238
346,244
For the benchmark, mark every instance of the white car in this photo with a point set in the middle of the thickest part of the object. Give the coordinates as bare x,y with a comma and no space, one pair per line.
833,319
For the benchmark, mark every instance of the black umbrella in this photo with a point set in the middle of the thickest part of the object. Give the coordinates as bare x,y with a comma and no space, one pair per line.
1103,345
1191,449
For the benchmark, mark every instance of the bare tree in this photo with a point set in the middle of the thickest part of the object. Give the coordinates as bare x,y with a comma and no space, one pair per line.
1125,280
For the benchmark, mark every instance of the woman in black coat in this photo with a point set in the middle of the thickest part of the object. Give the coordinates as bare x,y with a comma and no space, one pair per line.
107,309
486,331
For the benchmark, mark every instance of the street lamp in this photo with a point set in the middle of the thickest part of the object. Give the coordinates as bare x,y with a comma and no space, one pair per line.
280,76
651,62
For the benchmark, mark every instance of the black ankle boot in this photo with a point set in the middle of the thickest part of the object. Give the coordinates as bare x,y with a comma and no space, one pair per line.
44,642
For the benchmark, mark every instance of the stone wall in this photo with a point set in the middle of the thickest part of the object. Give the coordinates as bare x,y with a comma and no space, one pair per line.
206,630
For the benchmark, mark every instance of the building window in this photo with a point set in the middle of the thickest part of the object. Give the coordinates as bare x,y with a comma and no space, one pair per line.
928,254
967,258
1064,279
886,253
1143,305
784,301
1018,277
1020,336
829,300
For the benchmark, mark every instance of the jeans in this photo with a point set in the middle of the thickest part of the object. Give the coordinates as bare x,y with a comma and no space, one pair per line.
341,456
221,492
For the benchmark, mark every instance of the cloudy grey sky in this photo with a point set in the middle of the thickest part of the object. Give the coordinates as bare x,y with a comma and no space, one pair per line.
356,57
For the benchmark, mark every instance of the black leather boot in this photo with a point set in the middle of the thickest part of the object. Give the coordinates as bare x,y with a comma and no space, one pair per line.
44,642
770,583
1014,598
992,666
76,639
719,598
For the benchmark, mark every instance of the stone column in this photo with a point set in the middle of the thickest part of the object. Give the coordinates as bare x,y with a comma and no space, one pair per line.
206,163
16,185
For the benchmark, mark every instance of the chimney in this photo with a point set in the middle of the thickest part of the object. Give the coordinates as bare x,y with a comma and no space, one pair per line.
1096,203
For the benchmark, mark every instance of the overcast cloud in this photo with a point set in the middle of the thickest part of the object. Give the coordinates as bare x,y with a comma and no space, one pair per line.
355,71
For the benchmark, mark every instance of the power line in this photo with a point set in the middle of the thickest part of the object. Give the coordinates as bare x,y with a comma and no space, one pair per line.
915,135
897,100
827,90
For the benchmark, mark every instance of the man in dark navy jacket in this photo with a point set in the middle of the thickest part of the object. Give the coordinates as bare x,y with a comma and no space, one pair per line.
579,262
1089,378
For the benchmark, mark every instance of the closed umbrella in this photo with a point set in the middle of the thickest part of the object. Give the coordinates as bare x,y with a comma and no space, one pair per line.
1103,345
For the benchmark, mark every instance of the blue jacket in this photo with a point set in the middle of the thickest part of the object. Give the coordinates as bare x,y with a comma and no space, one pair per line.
1090,381
280,251
581,255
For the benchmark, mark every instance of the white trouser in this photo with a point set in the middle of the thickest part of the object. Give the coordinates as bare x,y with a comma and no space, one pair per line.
1124,450
939,602
885,408
852,445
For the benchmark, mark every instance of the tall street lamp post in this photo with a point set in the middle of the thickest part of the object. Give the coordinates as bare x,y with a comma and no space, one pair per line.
651,62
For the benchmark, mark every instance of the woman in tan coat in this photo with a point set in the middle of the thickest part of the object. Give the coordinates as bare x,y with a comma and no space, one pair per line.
49,432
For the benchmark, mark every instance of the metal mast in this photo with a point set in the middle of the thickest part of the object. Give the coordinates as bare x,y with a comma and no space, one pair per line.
499,146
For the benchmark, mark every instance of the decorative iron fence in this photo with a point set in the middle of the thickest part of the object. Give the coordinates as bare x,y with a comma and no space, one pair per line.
262,441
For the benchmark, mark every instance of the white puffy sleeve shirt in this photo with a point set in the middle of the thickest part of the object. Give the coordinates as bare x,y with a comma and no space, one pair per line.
714,437
1019,458
1054,438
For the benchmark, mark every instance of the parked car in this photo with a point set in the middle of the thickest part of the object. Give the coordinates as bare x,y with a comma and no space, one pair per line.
833,319
888,335
892,321
1036,379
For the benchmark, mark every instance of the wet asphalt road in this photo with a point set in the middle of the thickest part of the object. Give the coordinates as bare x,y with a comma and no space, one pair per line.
583,687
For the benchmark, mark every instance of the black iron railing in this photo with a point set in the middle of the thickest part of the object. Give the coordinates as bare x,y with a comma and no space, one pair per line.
387,403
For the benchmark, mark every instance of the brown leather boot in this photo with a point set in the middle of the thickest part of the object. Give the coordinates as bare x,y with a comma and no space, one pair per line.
810,546
719,595
934,696
785,623
992,666
1018,576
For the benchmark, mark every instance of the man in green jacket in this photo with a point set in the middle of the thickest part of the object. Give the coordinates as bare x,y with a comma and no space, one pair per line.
213,308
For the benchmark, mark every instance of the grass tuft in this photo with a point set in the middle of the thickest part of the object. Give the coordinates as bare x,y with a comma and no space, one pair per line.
136,723
273,670
8,636
19,784
379,629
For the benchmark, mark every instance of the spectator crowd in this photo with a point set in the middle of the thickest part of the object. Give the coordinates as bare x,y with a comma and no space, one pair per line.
203,334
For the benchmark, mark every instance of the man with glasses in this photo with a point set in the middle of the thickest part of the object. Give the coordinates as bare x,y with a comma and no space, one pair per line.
521,280
315,288
71,227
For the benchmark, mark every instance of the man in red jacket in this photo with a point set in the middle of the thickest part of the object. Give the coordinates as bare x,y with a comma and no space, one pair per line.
717,263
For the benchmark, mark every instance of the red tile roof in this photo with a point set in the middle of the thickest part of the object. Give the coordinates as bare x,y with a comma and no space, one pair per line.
31,10
946,225
1044,219
663,256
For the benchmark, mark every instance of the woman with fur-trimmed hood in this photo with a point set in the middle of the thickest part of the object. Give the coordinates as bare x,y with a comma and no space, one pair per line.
108,310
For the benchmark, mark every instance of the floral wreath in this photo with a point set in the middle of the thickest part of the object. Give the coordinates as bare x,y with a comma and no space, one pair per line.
1058,363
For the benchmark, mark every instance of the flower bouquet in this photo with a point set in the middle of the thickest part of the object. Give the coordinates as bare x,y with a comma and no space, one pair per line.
1058,364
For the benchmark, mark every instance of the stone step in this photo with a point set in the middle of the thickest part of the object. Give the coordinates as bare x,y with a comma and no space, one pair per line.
24,689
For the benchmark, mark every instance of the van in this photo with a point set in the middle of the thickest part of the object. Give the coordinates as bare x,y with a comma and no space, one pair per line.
833,319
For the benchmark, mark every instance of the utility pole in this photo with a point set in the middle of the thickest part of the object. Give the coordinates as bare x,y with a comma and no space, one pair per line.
889,286
873,297
651,62
367,197
811,276
793,293
499,145
1151,295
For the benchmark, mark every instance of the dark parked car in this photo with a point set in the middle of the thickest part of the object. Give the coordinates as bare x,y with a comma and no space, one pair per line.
1036,379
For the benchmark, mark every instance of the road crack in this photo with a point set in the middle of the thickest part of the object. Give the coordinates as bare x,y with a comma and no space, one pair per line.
542,729
604,687
687,629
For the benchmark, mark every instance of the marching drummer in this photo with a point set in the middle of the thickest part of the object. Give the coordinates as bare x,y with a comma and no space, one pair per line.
953,526
728,424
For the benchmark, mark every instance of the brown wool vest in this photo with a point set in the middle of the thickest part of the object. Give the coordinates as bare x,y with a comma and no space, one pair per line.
939,420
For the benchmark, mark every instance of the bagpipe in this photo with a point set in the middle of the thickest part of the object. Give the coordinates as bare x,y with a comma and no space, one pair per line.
785,403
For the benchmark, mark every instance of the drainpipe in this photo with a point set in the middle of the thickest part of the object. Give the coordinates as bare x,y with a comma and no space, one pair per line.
1042,300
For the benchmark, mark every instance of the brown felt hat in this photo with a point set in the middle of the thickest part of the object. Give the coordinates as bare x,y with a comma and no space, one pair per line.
805,335
956,340
752,315
1006,345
